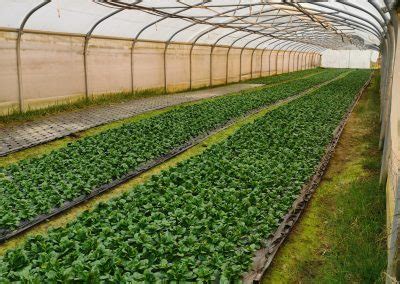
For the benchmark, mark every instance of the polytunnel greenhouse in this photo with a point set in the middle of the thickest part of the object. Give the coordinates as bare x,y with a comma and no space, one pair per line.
218,141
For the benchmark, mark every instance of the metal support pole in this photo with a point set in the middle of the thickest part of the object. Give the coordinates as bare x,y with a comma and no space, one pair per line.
137,38
300,57
283,57
304,58
276,62
227,65
287,49
294,50
86,45
241,53
252,54
165,66
18,51
269,57
384,69
389,81
211,65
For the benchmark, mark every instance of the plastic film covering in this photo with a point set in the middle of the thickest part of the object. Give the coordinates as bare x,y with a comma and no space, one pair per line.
333,24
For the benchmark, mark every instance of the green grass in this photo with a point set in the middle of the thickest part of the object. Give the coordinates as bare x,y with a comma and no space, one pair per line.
341,235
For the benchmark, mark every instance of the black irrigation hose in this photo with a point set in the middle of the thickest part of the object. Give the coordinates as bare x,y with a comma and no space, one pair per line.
27,225
264,256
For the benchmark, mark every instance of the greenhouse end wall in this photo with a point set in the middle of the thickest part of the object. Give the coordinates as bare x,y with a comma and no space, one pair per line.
53,67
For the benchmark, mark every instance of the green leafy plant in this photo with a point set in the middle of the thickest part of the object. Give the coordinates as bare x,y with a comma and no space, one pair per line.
203,219
38,185
284,77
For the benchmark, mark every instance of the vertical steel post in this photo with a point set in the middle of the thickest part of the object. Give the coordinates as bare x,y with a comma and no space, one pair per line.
389,81
252,54
86,45
18,53
269,56
211,64
140,32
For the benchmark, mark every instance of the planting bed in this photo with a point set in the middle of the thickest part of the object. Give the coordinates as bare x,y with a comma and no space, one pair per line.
37,186
269,80
206,217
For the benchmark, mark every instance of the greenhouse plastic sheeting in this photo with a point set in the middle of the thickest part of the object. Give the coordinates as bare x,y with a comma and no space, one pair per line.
329,24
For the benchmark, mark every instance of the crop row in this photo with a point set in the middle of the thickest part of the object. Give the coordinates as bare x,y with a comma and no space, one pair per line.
284,77
202,219
35,186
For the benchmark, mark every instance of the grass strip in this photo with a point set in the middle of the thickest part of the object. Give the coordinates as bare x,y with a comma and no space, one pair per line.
202,219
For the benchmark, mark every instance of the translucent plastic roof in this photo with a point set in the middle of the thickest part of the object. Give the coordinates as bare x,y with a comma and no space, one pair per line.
253,23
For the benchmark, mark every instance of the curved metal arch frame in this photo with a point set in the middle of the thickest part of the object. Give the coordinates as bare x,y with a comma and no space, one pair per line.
288,49
18,51
269,56
376,26
214,44
304,56
342,20
262,54
294,60
241,55
86,45
300,57
194,19
285,44
135,40
307,57
279,47
298,50
350,14
214,28
191,49
87,39
290,53
158,9
167,43
252,54
203,33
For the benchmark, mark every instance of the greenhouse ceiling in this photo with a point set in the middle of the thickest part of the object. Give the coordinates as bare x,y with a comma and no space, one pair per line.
243,23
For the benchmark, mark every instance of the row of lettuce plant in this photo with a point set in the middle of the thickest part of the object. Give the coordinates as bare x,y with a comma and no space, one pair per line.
203,219
284,77
37,185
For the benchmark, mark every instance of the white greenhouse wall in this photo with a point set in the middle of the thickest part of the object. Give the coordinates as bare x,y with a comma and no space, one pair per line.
52,67
348,58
